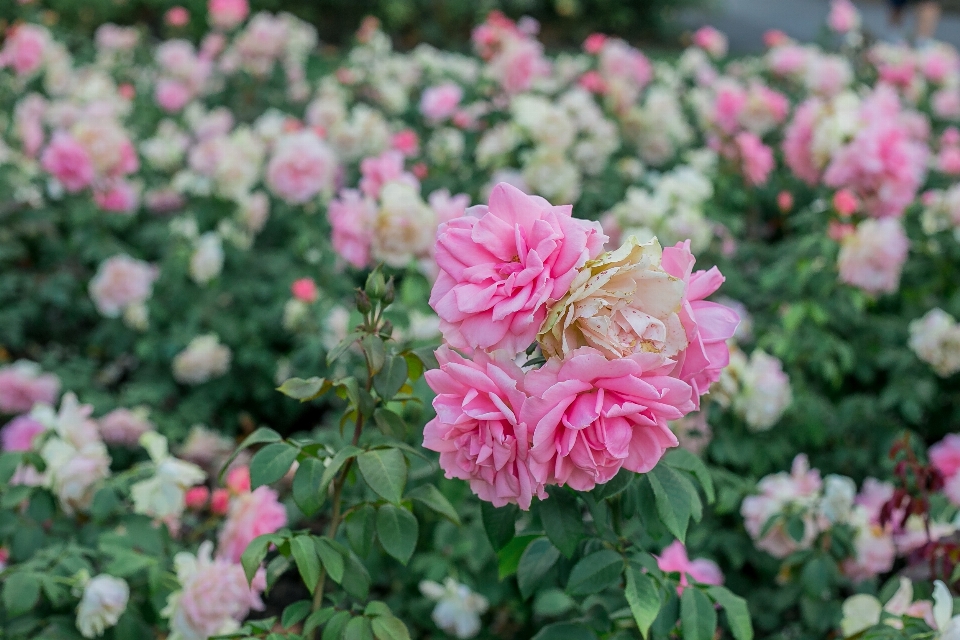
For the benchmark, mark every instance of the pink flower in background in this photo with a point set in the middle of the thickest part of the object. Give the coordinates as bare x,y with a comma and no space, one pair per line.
711,40
387,167
501,265
873,495
67,161
478,430
440,102
227,14
518,64
119,196
250,515
352,216
305,289
708,325
177,16
875,553
122,281
872,257
238,479
594,43
946,102
756,158
945,455
591,416
23,384
799,487
845,202
124,427
674,559
843,17
406,142
448,207
172,95
196,497
730,101
797,140
220,501
19,433
785,201
302,166
24,48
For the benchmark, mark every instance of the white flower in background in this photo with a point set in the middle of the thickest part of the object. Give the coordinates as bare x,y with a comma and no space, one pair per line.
75,456
551,174
336,327
446,146
458,608
947,624
862,611
764,393
103,602
838,494
206,263
203,359
935,338
161,496
405,226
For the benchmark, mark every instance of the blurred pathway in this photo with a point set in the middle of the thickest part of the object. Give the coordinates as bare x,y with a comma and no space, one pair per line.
744,21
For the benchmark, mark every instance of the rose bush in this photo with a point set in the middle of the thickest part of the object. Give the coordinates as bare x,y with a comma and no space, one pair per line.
586,345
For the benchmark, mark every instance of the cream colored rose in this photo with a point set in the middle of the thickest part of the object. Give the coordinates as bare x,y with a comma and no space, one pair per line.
405,225
621,303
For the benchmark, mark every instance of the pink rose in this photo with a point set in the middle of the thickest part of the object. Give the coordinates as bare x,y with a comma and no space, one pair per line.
352,217
673,559
19,433
591,416
797,141
873,495
171,95
708,325
756,158
302,166
945,455
119,196
67,161
24,48
250,515
406,142
122,281
177,16
124,427
594,43
875,553
196,497
448,207
23,384
845,202
305,289
843,17
501,266
220,501
378,171
872,257
478,430
440,102
227,14
711,40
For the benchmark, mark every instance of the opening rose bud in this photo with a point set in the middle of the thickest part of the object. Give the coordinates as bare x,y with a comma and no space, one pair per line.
220,501
196,497
238,480
177,16
305,289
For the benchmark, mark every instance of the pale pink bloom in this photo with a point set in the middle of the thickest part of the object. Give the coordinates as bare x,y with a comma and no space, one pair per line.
624,71
756,158
28,118
406,142
594,43
124,427
875,553
172,95
112,37
23,384
118,196
591,416
352,216
839,230
693,431
827,75
24,48
196,497
220,501
305,289
518,64
788,59
843,17
872,257
801,486
785,201
214,597
440,102
177,16
19,433
711,40
775,38
122,281
67,161
951,489
946,102
593,82
250,515
945,455
948,160
163,200
708,325
110,149
448,207
302,167
238,479
797,140
501,265
379,170
227,14
212,45
729,103
873,495
478,430
845,202
674,559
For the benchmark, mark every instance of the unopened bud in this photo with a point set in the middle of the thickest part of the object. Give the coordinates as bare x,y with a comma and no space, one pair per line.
376,285
363,302
389,292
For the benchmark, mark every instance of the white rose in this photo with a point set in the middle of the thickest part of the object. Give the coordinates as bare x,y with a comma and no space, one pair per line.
104,601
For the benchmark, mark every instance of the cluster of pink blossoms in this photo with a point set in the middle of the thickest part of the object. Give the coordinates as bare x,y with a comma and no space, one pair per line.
515,57
630,340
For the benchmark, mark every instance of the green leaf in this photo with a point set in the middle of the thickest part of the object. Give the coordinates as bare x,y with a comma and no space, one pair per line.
358,629
316,619
686,461
389,628
385,470
8,465
331,559
305,555
565,631
127,562
391,378
795,527
552,602
538,558
562,520
306,486
414,366
260,436
616,486
305,390
14,495
643,596
338,460
595,573
698,618
343,346
674,496
335,626
397,529
256,551
376,608
294,613
356,578
20,592
361,526
430,496
508,558
735,608
375,351
389,423
271,463
499,523
427,356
